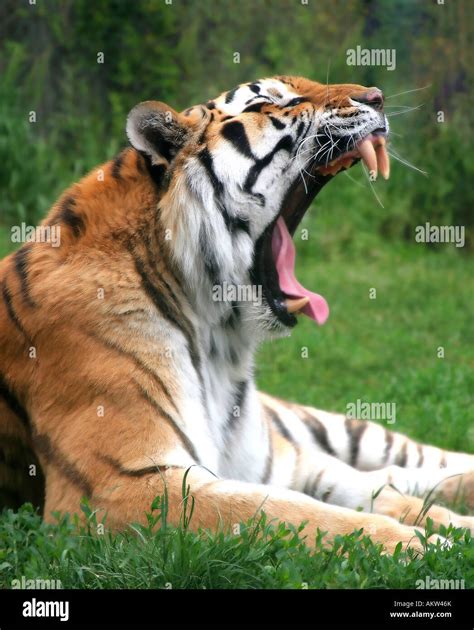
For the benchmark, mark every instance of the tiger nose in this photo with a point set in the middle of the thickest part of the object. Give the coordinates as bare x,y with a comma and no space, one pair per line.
373,97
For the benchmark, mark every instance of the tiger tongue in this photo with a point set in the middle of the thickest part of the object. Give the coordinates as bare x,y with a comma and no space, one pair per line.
284,256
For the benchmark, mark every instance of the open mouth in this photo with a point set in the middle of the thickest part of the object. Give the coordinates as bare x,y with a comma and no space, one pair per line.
274,267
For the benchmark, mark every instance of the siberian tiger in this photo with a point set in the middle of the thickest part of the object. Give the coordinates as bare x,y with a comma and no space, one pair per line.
120,370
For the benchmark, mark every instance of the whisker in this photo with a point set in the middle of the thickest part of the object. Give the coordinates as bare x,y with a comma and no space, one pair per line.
371,186
346,173
402,161
408,91
397,106
404,111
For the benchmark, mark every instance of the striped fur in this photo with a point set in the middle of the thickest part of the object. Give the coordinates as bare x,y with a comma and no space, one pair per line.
119,371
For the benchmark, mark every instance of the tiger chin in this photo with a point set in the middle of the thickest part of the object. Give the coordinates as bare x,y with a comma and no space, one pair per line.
121,372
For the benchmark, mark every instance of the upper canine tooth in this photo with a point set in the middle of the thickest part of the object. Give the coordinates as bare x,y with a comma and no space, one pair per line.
383,161
367,152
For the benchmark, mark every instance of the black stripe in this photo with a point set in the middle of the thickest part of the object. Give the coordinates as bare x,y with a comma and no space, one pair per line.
316,482
281,428
210,263
388,445
169,269
235,224
52,454
187,327
327,494
300,130
12,402
401,458
211,105
296,101
233,318
420,456
232,223
235,133
156,172
117,165
239,400
355,429
184,438
284,144
20,260
140,162
7,298
206,160
255,107
255,88
138,362
229,97
68,216
277,123
138,472
164,307
319,432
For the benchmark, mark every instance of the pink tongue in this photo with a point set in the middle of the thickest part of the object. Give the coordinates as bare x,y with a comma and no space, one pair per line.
284,255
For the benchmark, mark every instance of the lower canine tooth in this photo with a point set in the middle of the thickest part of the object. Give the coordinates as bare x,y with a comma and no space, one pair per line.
383,161
367,152
293,306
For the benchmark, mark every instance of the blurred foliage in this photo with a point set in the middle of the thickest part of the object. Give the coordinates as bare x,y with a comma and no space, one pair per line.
183,53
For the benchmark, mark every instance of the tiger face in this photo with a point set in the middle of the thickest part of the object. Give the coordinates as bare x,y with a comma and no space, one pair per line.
241,171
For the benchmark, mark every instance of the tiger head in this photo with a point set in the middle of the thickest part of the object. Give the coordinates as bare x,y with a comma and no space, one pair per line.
241,171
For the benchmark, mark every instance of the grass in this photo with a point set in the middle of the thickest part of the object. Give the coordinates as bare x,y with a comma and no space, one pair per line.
263,555
383,349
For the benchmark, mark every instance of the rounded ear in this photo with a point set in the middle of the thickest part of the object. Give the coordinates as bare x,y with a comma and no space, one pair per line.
158,130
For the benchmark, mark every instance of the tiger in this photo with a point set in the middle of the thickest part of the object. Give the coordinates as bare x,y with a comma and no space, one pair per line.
122,366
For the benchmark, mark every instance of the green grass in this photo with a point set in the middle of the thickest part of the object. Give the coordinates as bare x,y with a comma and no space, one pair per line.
261,556
376,350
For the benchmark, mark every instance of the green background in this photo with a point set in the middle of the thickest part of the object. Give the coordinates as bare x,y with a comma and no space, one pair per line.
183,53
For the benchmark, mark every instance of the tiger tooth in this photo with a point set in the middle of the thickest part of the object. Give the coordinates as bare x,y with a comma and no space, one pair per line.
383,161
293,306
367,152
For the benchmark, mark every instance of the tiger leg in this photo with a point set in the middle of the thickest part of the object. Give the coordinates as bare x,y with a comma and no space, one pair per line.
225,503
356,451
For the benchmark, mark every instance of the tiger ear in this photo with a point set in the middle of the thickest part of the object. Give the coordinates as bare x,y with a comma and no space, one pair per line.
158,130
